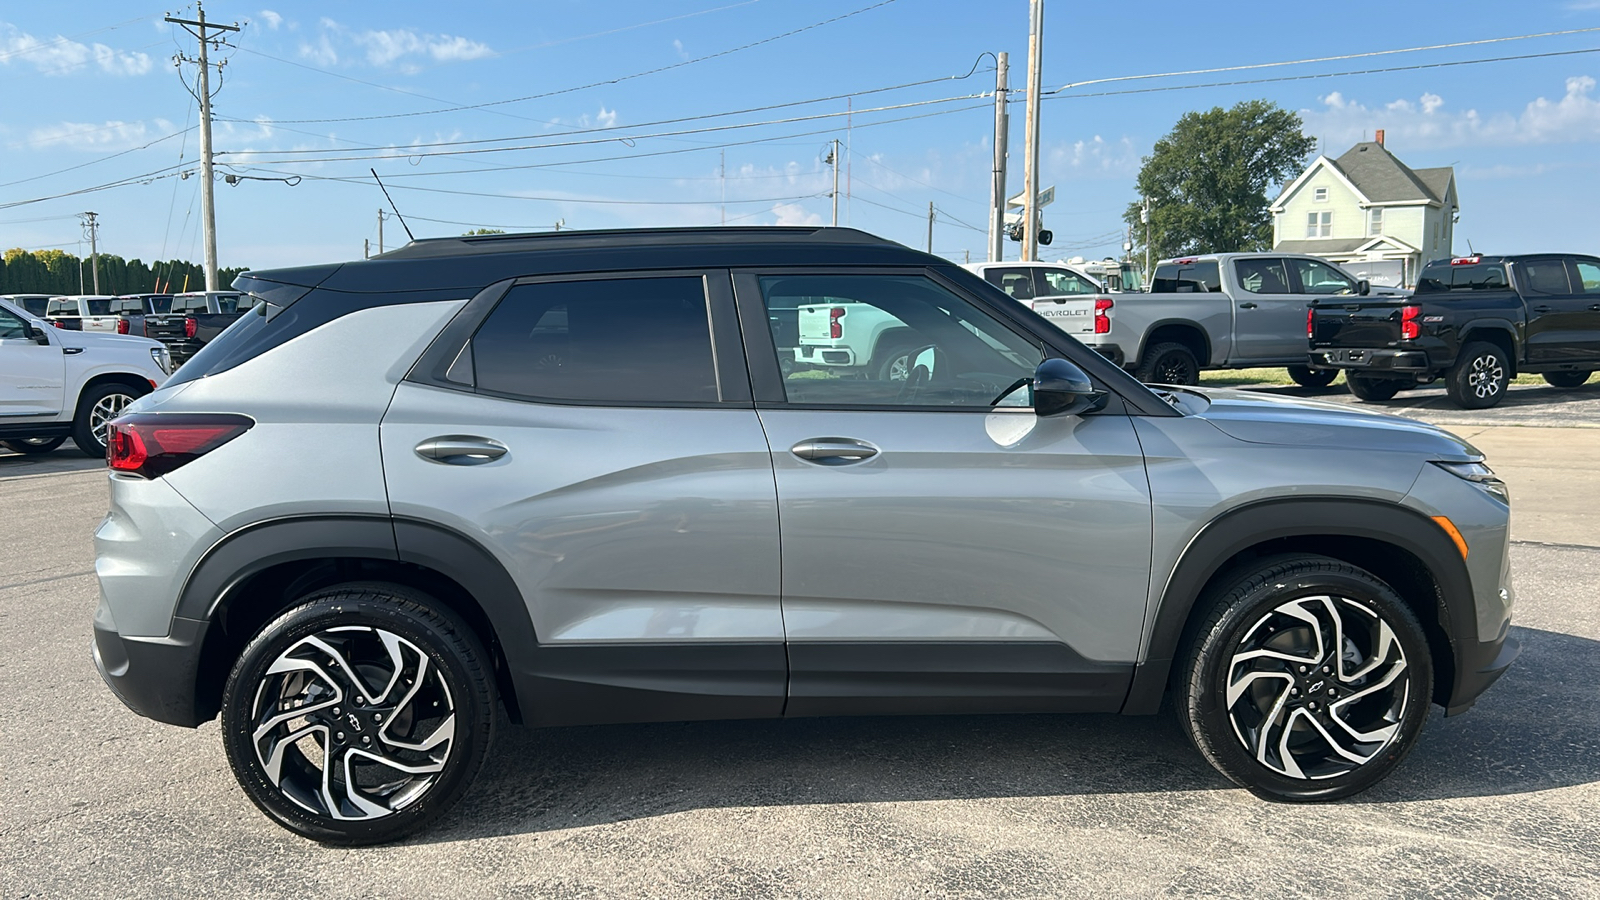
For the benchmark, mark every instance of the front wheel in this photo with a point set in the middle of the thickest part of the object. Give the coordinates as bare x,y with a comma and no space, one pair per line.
360,715
1308,679
1169,363
1567,379
1307,377
96,408
31,446
1479,378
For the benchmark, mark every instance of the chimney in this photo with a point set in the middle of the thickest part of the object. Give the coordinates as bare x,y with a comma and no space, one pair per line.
1379,137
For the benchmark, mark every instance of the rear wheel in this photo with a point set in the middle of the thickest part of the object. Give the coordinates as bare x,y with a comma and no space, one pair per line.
1367,387
1567,379
360,715
34,445
1478,379
1307,377
895,365
1307,679
1169,363
96,408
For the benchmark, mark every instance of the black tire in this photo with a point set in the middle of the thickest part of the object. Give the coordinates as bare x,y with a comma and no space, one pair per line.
1367,387
1244,739
894,364
32,446
1480,376
88,423
1168,363
441,661
1567,379
1307,377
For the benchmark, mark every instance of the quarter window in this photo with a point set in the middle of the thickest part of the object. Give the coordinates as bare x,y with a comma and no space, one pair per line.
1262,276
1319,224
897,340
628,341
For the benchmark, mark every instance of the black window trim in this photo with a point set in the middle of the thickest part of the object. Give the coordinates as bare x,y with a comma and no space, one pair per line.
766,378
727,351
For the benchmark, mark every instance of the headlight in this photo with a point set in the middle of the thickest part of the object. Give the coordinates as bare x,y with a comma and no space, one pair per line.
162,358
1479,474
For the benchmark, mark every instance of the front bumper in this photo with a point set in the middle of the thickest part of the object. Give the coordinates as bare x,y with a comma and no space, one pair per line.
1479,665
155,677
1415,361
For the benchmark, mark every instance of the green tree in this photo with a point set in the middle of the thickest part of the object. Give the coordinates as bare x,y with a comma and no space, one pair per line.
1207,180
483,231
59,272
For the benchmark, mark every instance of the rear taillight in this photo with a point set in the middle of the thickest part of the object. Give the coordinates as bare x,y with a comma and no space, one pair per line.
122,326
57,323
190,326
835,328
1311,323
1102,322
1410,328
151,444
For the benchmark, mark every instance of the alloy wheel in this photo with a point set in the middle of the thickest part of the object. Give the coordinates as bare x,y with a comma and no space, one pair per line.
109,407
353,722
1485,376
1317,687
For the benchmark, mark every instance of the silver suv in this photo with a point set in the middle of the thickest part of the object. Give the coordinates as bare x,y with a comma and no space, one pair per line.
566,474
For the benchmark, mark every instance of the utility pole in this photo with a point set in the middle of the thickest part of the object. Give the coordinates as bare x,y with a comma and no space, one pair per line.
1144,217
997,193
380,231
93,227
1030,164
833,159
930,226
207,200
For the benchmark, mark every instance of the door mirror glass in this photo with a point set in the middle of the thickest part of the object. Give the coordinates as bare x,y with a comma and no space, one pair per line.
1060,388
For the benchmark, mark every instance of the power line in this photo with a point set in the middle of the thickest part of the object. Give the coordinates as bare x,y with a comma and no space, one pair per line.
62,39
100,160
594,84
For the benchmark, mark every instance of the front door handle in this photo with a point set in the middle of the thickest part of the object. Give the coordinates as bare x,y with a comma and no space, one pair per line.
461,450
1542,309
833,450
1247,306
1594,307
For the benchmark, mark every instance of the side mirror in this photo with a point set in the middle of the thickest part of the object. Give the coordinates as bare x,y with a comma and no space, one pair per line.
1363,287
37,335
1060,388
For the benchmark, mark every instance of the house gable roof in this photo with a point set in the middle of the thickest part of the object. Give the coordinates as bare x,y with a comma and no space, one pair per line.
1385,179
1440,181
1321,162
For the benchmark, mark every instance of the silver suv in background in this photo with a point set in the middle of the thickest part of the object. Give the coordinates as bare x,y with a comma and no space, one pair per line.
548,472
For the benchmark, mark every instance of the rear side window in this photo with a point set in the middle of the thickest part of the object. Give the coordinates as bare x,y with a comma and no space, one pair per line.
1546,276
627,341
1262,276
1017,283
1200,277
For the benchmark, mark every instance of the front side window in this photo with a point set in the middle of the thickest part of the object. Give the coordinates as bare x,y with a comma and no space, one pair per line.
635,341
1375,221
11,326
1017,283
1319,224
1588,276
922,345
1320,278
1058,282
1262,276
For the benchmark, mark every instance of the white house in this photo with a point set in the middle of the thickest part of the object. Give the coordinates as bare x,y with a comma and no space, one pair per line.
1369,212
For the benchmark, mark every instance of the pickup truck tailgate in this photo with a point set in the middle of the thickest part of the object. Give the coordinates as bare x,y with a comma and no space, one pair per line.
165,327
1373,323
1073,314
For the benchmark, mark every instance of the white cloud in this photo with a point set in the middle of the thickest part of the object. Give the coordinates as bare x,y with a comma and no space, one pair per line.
400,47
321,52
794,214
1096,156
677,45
112,135
1430,123
271,19
62,56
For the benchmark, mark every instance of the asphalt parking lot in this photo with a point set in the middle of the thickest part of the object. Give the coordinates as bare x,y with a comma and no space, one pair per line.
95,801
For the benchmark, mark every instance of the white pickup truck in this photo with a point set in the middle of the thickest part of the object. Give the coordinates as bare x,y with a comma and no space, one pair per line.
83,313
56,383
858,337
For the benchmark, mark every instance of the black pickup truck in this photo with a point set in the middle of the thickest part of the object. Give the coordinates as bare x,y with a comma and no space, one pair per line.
1475,321
196,318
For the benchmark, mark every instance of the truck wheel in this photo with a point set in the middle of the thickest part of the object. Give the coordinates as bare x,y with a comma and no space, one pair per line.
96,408
1307,679
1169,363
1567,379
1369,387
1307,377
1478,379
31,446
896,364
360,715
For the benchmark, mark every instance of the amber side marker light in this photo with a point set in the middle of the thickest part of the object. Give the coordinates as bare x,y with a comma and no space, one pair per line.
1455,535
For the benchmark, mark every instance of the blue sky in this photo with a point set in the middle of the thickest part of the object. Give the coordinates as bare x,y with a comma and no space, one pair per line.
83,83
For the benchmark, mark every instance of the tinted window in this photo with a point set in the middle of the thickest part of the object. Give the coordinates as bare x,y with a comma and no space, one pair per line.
917,344
1055,282
1261,276
1447,277
99,307
159,304
189,303
63,308
232,303
1018,283
34,305
11,326
1546,276
1319,278
1187,278
631,340
127,305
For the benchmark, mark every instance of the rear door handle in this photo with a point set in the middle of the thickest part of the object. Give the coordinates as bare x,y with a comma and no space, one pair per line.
834,451
1594,307
1542,309
461,450
1247,306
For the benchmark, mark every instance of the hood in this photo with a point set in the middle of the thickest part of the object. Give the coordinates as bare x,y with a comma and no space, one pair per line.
1267,419
96,340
